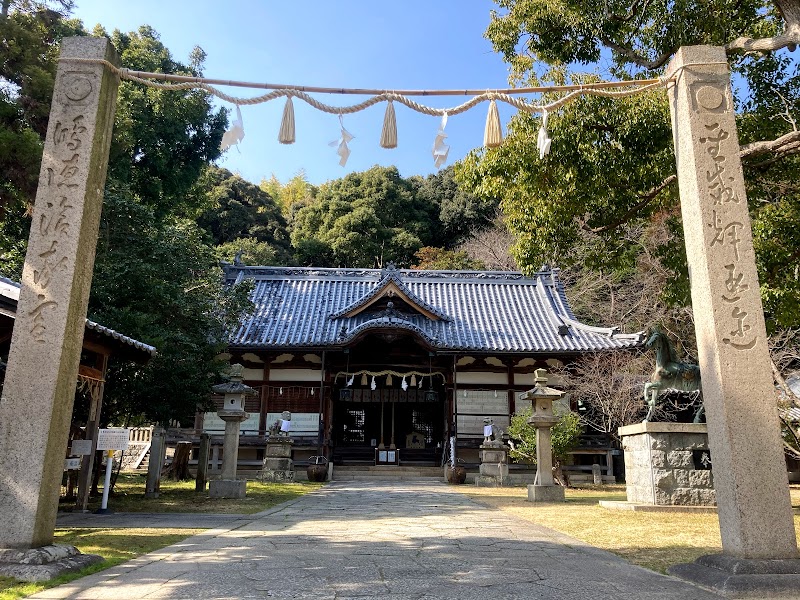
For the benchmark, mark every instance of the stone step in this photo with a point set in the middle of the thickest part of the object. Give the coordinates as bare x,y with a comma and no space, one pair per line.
387,472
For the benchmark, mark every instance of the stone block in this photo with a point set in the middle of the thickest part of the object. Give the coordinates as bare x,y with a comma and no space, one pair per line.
484,481
276,476
278,464
658,458
227,488
706,497
663,478
683,497
681,477
545,493
494,470
493,456
700,479
680,459
279,449
658,442
661,496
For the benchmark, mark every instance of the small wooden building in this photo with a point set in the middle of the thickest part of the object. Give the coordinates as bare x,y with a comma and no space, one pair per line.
370,361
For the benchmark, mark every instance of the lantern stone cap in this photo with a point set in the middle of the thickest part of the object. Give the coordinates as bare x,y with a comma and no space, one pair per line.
235,385
541,391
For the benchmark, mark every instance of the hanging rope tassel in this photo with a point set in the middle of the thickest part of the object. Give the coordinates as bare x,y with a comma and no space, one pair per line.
493,134
364,379
413,380
388,380
286,133
389,132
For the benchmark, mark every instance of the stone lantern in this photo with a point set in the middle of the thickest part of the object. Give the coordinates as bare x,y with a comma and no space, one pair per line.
542,397
233,413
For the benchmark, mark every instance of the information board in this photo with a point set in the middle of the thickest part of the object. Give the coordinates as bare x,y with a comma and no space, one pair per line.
81,447
72,463
112,439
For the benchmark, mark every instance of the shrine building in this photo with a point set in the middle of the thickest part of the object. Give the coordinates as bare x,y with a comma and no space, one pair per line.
384,365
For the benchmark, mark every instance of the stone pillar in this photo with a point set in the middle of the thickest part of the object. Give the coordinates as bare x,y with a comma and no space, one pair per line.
232,412
39,390
544,488
158,450
755,511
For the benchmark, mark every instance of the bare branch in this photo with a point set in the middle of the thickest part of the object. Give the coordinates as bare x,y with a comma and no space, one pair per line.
637,59
784,145
632,13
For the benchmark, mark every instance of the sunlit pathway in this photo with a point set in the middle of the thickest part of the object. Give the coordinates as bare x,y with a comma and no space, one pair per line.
380,540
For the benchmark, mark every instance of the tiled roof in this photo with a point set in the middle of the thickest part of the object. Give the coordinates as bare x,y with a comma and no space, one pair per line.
9,295
480,311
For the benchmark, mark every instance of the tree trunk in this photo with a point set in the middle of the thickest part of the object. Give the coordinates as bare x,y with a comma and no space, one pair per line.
179,469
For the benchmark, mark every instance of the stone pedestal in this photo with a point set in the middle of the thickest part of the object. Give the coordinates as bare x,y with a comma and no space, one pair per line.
227,488
278,464
545,493
493,471
668,464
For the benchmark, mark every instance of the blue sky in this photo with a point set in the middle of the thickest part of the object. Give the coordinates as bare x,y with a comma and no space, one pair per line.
348,43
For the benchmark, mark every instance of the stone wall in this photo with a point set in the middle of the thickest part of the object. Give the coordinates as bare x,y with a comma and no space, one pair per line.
660,464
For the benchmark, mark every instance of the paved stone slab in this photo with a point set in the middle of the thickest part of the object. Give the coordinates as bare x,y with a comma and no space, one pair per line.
378,539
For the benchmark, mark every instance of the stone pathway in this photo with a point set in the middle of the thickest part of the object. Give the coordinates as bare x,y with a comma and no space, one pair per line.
364,539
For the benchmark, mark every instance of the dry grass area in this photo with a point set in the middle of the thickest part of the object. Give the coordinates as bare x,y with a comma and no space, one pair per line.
115,545
651,540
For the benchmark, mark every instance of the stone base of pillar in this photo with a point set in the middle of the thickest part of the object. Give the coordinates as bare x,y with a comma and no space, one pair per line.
227,488
743,578
489,481
545,493
275,476
45,563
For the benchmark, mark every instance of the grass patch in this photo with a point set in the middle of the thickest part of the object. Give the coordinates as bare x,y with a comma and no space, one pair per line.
179,496
651,540
114,545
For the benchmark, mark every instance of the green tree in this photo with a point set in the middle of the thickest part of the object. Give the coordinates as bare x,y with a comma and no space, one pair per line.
162,139
430,258
564,437
292,195
29,37
606,195
158,281
234,209
363,220
461,213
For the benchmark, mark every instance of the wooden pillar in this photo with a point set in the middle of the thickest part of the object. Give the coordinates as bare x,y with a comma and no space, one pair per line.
92,427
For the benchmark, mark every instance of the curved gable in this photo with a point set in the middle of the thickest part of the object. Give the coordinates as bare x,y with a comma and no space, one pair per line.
390,287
